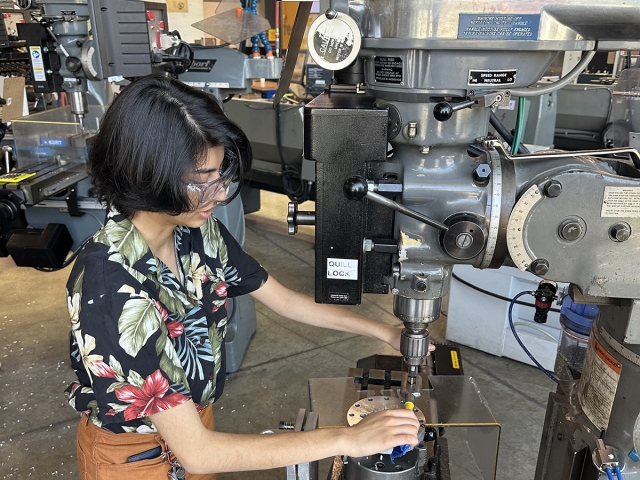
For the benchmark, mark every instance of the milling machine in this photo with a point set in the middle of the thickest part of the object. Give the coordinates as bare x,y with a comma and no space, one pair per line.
410,184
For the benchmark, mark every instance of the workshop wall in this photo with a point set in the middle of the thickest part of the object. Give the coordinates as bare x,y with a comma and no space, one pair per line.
196,11
182,21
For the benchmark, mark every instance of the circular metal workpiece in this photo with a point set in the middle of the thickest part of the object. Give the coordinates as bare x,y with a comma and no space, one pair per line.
380,466
334,40
465,238
366,406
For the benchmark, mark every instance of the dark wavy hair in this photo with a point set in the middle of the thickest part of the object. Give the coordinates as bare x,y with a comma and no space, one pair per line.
154,133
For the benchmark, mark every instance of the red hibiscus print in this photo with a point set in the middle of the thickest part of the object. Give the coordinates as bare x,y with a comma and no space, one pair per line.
150,398
175,328
205,277
163,311
103,370
217,307
221,290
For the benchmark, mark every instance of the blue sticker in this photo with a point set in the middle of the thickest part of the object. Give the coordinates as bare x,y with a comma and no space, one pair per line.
53,142
498,27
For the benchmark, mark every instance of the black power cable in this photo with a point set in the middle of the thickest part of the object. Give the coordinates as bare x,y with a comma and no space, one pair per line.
495,295
504,133
68,261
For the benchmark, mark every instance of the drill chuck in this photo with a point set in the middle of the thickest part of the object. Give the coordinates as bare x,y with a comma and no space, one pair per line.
414,346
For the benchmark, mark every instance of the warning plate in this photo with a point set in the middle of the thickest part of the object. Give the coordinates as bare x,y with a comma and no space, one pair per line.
388,70
621,202
498,27
599,383
487,78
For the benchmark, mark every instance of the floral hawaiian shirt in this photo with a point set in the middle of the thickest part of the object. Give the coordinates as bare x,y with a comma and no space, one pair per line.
142,340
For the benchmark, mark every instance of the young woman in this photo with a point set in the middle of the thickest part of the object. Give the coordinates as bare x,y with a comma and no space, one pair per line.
147,300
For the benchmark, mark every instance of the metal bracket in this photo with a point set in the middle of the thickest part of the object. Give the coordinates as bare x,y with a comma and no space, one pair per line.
490,99
72,202
309,470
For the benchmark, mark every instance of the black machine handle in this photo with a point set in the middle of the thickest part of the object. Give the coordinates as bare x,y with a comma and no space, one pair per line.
356,188
443,111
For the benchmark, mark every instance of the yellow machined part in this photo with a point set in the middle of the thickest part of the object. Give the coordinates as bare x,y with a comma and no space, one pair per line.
16,177
409,405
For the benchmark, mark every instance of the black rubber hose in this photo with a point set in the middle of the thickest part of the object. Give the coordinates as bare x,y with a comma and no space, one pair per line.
504,133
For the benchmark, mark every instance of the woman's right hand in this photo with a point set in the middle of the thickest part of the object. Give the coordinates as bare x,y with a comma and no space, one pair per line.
380,431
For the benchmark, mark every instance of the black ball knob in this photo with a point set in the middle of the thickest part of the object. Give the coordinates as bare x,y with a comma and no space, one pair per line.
355,188
443,111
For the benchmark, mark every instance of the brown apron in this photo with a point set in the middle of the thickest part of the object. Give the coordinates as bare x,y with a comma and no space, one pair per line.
102,455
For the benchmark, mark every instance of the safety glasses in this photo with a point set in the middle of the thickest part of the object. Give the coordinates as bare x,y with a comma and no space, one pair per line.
207,192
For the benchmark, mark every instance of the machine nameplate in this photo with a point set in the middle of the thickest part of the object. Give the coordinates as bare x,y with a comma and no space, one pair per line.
598,385
487,78
339,297
388,70
498,27
53,142
202,65
342,268
621,202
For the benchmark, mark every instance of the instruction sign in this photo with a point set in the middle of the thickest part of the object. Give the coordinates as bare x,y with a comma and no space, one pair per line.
498,27
37,64
621,202
388,70
342,269
598,385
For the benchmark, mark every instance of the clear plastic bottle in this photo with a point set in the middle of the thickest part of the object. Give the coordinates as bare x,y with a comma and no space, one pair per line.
576,320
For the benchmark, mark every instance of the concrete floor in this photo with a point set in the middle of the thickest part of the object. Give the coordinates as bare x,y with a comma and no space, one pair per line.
37,427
